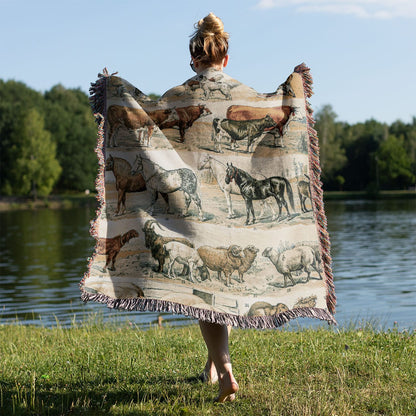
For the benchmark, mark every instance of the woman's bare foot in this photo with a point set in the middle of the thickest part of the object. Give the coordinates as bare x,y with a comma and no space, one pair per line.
208,377
228,388
209,374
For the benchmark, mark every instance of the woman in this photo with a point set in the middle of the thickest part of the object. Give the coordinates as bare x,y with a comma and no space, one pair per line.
193,230
209,50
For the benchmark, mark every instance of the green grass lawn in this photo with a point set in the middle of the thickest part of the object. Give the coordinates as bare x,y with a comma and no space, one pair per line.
109,369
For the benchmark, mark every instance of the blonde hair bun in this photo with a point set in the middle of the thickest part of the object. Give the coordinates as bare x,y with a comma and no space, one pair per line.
211,25
209,42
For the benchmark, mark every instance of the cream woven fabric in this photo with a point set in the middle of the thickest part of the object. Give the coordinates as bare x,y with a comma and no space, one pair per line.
211,204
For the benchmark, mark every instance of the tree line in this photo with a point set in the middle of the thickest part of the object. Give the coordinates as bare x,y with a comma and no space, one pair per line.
367,156
47,140
47,143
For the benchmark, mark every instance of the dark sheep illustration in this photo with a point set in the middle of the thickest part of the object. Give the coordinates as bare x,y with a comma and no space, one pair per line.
156,243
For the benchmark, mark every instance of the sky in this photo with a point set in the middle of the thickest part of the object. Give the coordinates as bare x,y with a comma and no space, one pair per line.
361,53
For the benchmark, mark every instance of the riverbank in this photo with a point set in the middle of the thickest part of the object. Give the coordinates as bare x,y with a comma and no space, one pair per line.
347,195
61,201
104,369
66,201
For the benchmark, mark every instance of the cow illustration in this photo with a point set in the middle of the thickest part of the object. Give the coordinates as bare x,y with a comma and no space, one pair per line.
185,118
135,120
282,116
240,130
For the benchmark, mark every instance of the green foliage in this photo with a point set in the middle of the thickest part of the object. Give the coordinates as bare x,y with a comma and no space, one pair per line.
332,155
15,99
69,131
34,166
365,156
394,163
71,122
153,96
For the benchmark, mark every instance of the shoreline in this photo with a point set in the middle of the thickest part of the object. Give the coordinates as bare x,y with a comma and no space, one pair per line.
66,201
364,195
59,201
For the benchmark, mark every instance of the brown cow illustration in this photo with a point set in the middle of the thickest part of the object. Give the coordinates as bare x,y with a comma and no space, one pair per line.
281,115
135,120
163,116
186,116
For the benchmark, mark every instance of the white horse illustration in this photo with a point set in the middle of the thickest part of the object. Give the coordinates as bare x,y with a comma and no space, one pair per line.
164,181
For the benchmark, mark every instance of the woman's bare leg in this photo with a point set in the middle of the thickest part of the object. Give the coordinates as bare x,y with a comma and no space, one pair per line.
216,339
209,374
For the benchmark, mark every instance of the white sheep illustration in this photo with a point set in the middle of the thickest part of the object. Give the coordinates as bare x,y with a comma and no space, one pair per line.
182,254
298,258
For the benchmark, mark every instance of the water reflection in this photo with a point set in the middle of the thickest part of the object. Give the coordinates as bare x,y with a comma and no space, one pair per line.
374,261
43,257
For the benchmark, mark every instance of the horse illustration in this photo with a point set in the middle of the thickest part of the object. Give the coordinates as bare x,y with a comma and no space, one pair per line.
218,170
252,189
125,181
304,192
212,85
160,180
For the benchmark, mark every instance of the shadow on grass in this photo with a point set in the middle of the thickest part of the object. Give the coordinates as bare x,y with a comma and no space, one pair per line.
101,395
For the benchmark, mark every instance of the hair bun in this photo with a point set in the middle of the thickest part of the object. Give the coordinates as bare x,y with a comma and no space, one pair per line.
209,43
211,25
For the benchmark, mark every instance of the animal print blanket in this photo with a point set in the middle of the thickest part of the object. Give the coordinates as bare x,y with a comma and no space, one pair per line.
211,202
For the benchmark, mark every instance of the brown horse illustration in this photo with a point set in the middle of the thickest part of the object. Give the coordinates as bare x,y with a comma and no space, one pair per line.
125,181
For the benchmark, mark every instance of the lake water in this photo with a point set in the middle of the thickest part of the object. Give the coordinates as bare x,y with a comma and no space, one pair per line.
43,255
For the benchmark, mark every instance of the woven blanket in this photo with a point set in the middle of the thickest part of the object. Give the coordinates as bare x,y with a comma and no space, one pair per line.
210,202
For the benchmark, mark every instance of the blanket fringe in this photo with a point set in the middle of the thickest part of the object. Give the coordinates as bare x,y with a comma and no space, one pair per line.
245,322
98,105
316,189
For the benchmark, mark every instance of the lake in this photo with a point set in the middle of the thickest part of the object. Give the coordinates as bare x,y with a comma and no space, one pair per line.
44,256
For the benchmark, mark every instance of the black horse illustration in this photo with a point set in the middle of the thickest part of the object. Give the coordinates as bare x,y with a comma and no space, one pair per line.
254,189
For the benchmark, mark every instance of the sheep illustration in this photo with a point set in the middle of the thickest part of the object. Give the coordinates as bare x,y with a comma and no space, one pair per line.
222,259
298,258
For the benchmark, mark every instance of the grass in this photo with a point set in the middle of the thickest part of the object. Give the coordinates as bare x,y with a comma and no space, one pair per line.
108,369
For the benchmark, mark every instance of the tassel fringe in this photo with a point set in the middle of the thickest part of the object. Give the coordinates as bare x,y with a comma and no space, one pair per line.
316,189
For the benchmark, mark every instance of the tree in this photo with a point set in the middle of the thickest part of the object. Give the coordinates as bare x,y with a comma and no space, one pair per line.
69,119
332,154
394,164
361,143
35,167
15,98
153,96
408,133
